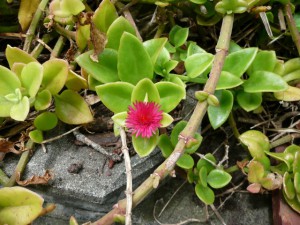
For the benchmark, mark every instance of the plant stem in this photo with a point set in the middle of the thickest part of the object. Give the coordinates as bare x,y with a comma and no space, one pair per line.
31,30
3,178
292,26
21,164
39,48
283,140
168,165
233,126
61,41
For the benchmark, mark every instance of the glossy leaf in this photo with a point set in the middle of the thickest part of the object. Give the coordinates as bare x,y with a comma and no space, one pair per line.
297,182
256,142
165,145
227,80
203,176
185,161
239,61
291,66
285,157
72,6
218,178
178,35
45,121
194,148
205,194
93,83
116,30
170,95
75,82
288,186
55,75
263,81
218,114
36,136
16,55
293,203
71,108
105,70
120,118
43,100
5,107
161,62
256,172
19,205
249,101
83,35
9,82
296,164
144,146
166,120
20,110
134,62
197,64
154,47
207,162
31,78
176,131
193,48
289,95
145,90
26,11
264,60
115,96
105,15
231,6
17,68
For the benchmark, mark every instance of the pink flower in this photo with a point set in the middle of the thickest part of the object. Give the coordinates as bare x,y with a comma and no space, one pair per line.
144,118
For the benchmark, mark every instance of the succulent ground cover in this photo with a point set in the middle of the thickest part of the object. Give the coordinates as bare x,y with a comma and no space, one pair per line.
137,59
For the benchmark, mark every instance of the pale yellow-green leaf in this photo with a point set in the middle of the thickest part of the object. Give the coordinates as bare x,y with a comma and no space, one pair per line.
26,12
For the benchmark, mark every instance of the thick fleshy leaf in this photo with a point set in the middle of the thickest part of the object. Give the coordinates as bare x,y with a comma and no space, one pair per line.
75,82
166,120
207,162
93,83
195,147
19,205
17,68
20,110
205,194
116,30
9,81
231,6
294,203
185,161
16,55
31,78
288,186
203,176
71,108
72,6
105,15
161,61
178,35
285,157
197,64
264,60
45,121
120,118
134,62
228,80
170,95
256,172
263,81
73,221
82,36
289,95
145,90
154,47
165,145
115,96
256,142
144,146
176,131
218,114
193,48
218,178
105,70
26,11
43,100
296,164
36,136
291,66
238,62
249,101
55,75
5,107
297,182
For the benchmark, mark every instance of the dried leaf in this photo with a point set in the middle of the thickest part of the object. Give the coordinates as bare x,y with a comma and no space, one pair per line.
98,40
8,146
35,179
26,12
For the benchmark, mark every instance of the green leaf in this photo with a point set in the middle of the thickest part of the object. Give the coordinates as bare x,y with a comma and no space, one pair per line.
16,55
105,15
75,82
55,75
207,162
26,11
36,136
263,81
291,66
17,69
296,164
105,70
19,205
228,80
43,100
73,221
45,121
20,110
154,47
195,147
115,96
9,82
170,95
244,57
264,60
185,161
134,62
198,63
218,178
193,48
289,95
231,6
256,142
166,120
249,101
178,35
116,30
120,118
71,108
256,172
161,62
218,114
203,176
144,146
83,35
165,145
145,90
205,194
288,186
31,78
5,107
176,131
93,83
198,1
72,6
297,182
